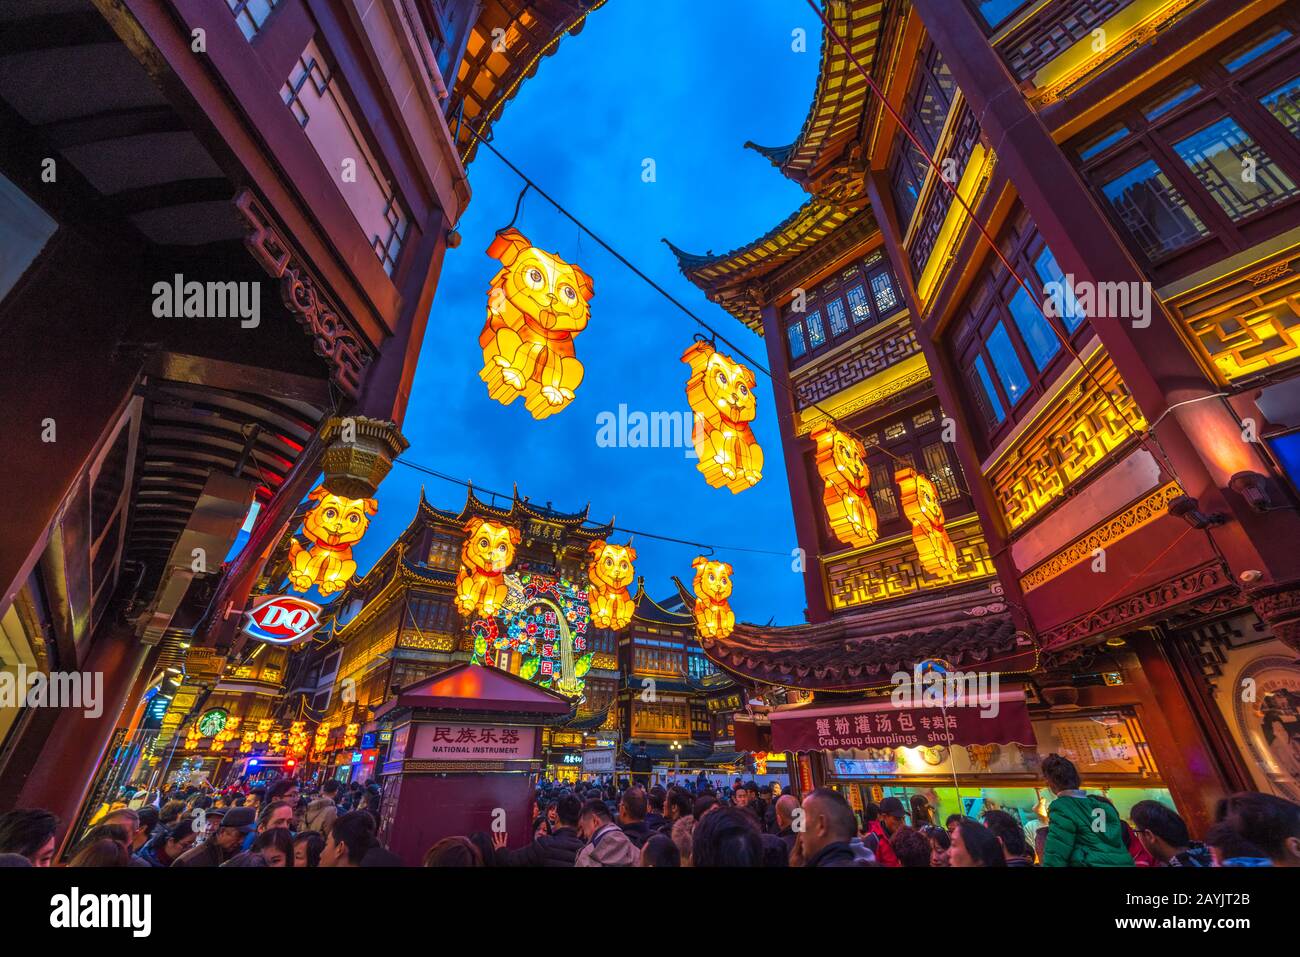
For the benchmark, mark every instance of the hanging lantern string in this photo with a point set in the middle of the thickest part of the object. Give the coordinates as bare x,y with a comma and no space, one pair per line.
714,336
518,203
424,469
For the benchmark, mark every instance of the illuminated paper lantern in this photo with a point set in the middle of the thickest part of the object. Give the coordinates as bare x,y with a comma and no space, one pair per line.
350,735
537,304
841,463
333,526
720,392
609,573
920,503
489,550
322,735
712,586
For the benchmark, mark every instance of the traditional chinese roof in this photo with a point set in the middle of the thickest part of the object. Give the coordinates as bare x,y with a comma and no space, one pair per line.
862,651
649,610
588,720
520,509
488,79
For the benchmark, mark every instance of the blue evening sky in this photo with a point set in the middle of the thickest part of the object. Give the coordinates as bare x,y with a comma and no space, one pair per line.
685,84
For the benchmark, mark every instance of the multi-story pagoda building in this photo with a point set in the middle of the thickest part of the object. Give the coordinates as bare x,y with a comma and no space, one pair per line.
1104,406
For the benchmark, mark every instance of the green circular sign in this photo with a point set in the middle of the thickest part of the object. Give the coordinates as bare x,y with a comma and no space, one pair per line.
212,722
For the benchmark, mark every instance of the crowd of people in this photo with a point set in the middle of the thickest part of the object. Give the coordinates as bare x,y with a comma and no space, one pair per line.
692,823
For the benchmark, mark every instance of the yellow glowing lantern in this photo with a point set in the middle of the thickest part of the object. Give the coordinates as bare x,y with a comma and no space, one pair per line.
537,304
192,737
350,735
334,525
720,392
489,550
609,573
277,741
712,586
246,743
841,463
920,503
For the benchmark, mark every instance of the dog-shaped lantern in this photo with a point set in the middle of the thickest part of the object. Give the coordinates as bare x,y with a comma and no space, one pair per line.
536,306
488,551
334,525
713,615
609,574
841,463
920,503
720,392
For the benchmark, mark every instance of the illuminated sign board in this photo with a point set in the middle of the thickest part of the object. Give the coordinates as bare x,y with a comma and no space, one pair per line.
282,619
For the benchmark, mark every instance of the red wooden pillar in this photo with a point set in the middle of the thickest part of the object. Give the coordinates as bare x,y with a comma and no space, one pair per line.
1202,440
793,448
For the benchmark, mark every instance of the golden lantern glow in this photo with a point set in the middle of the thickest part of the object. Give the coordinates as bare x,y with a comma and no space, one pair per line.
920,503
227,733
192,736
712,586
841,463
350,735
609,573
298,737
488,551
247,741
720,392
537,304
322,735
334,525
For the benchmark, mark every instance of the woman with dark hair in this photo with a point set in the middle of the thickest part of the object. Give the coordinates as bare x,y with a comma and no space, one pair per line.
660,851
940,844
973,845
276,847
102,852
453,852
922,815
911,847
168,843
29,832
727,837
776,853
306,849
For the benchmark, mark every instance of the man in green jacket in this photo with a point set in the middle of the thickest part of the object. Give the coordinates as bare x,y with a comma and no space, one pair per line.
1082,830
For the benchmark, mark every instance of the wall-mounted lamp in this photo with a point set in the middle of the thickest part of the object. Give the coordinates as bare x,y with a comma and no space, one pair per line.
1188,509
1253,487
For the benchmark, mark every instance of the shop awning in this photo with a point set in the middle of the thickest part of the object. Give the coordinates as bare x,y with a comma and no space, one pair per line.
880,724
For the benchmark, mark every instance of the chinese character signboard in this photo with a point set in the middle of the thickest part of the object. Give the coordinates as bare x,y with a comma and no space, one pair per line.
472,742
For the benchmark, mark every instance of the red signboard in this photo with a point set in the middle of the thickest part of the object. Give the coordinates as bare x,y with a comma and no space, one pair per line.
879,724
472,742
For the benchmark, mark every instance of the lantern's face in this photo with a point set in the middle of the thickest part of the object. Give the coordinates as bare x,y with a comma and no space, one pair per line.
713,581
336,520
849,457
489,546
729,389
611,566
550,292
920,501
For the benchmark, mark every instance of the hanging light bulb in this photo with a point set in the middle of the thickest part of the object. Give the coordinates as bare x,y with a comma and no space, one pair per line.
536,306
713,615
841,463
920,503
720,392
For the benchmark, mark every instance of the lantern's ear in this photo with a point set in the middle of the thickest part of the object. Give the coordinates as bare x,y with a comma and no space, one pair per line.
316,494
596,547
750,378
474,525
700,561
585,285
372,506
631,553
507,246
698,356
728,568
515,536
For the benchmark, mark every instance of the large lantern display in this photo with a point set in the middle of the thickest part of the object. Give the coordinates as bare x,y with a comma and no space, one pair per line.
920,503
720,392
537,304
540,632
609,573
488,551
842,465
712,586
333,526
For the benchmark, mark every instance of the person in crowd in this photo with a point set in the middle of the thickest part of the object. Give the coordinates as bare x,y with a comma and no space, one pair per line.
557,849
307,848
951,821
703,805
1164,836
655,819
1230,849
1267,821
606,843
284,789
830,828
255,798
660,851
171,812
678,804
940,845
350,837
683,829
102,852
912,847
322,811
230,831
775,853
922,813
275,814
783,809
632,809
168,843
890,817
727,837
453,852
1015,846
30,832
274,847
1083,830
974,845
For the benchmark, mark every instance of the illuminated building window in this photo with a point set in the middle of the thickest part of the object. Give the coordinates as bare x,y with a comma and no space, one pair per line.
1153,212
797,344
1255,49
937,464
1169,101
835,314
857,297
251,14
1284,104
1049,272
1218,155
929,100
843,296
816,332
1034,328
1104,142
986,394
1015,384
882,492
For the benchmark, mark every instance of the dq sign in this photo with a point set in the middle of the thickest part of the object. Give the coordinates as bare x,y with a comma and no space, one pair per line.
281,619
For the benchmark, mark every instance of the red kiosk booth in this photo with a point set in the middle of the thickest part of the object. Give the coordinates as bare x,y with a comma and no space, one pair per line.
466,746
